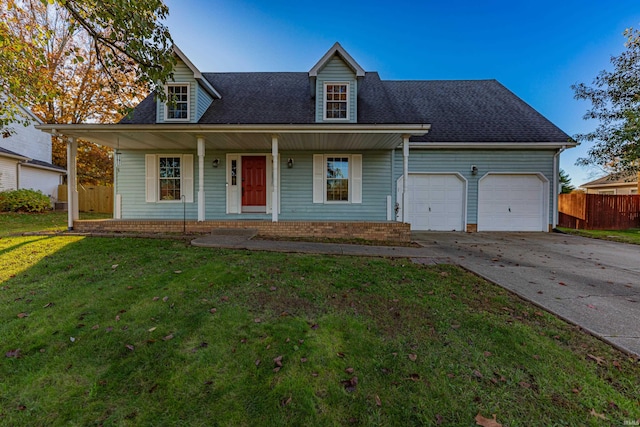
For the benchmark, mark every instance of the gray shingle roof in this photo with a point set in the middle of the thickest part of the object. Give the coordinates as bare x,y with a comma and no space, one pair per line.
458,110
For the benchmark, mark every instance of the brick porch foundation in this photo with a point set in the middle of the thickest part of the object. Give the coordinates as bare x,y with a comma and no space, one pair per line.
382,231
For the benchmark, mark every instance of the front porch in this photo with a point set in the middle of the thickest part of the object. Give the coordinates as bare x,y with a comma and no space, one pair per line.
389,231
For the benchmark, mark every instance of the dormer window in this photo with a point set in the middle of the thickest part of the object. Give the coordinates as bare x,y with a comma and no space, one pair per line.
336,105
178,102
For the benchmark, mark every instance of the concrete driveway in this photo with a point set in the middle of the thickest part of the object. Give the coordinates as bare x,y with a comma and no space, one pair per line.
592,283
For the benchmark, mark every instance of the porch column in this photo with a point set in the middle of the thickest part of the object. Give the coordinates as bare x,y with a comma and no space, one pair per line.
405,177
275,203
73,212
200,178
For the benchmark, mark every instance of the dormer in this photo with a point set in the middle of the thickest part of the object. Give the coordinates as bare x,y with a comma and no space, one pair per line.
188,95
334,83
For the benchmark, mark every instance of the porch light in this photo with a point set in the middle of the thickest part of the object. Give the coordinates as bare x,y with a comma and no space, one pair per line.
215,163
474,170
290,163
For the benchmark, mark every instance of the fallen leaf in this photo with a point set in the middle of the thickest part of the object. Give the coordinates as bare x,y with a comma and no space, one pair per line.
439,419
94,327
273,288
118,318
22,315
340,354
487,353
156,298
349,370
378,401
257,320
276,369
168,337
178,271
165,299
413,357
524,384
487,422
130,347
13,353
278,361
286,402
303,360
72,339
593,413
213,311
257,362
114,266
598,360
314,326
350,384
617,365
562,284
151,329
477,374
224,298
47,305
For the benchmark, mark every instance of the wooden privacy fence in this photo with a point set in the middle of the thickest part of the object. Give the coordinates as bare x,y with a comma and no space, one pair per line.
598,211
91,198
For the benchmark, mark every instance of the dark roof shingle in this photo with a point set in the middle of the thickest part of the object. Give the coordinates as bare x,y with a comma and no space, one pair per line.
458,110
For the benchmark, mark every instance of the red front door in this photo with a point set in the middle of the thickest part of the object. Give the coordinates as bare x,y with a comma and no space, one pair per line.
254,184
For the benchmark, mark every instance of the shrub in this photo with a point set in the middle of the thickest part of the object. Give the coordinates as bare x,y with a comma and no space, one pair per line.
24,201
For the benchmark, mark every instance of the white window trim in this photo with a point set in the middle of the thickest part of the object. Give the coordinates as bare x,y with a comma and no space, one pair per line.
152,177
325,101
159,195
354,177
166,104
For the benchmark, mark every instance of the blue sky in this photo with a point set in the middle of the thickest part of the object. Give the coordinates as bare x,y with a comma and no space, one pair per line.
537,49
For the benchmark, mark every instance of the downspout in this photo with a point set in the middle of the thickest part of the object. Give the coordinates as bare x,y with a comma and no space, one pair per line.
556,185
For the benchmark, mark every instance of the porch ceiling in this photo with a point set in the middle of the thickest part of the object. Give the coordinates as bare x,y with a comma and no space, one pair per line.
242,138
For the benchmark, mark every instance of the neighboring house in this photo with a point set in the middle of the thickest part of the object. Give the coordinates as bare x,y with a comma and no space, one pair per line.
25,160
613,184
335,145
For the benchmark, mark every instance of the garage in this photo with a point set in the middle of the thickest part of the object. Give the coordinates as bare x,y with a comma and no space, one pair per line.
513,202
436,201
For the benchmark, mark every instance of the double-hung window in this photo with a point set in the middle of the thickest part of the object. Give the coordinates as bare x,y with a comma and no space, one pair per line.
336,101
337,179
169,172
177,107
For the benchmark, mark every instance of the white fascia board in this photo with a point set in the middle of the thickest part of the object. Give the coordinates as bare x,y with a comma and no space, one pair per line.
348,59
491,145
408,129
52,169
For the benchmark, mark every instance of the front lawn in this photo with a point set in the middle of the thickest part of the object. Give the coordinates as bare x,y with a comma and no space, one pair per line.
123,331
631,235
50,221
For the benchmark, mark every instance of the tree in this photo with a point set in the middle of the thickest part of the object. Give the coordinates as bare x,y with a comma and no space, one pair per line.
615,100
565,183
80,90
125,36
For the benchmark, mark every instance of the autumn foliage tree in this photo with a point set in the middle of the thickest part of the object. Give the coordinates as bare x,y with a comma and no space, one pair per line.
80,62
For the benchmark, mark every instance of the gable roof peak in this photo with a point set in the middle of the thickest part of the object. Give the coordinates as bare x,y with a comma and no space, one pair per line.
337,49
196,73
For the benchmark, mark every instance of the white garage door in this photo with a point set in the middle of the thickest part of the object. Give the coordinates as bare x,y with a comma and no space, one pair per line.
436,202
512,203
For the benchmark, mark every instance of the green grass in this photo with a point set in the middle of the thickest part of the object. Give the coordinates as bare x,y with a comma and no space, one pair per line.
15,223
631,235
120,331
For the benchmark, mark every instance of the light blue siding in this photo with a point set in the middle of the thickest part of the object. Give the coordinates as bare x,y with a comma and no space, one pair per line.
203,101
181,74
130,184
461,161
296,190
337,71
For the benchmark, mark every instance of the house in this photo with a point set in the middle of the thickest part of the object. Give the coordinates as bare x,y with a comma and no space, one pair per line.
334,151
613,184
25,160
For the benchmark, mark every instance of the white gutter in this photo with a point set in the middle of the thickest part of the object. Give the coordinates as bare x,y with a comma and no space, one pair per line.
489,145
556,185
412,129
